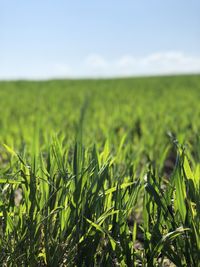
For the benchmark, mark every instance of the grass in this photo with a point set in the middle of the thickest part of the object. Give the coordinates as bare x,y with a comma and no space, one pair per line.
100,173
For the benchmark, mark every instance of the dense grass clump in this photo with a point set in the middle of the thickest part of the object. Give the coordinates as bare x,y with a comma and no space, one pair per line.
100,172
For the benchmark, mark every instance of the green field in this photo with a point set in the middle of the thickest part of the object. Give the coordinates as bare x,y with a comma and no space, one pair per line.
100,172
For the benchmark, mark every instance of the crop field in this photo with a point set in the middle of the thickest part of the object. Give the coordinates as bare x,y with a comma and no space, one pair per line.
100,172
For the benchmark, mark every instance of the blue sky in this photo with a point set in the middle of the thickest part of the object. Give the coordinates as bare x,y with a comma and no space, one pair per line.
47,38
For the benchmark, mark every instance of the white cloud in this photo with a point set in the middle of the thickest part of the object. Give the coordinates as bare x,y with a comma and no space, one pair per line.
95,65
126,62
166,62
170,62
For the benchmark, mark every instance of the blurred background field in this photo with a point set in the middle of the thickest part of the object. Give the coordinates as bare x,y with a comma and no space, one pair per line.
143,108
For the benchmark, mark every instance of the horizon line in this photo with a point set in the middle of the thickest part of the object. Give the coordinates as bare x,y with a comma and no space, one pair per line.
117,77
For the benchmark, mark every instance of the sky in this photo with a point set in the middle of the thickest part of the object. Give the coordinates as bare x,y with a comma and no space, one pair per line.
44,39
